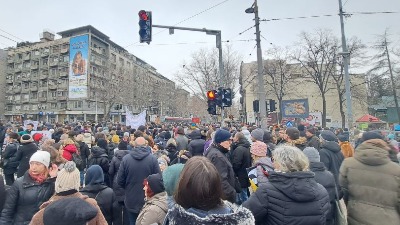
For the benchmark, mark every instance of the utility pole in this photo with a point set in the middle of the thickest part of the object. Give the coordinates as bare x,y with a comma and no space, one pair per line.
260,66
346,57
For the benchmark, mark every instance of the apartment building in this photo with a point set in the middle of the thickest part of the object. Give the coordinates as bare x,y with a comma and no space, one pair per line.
300,86
3,66
81,76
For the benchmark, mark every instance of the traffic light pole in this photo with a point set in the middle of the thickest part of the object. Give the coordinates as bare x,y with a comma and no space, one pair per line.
217,33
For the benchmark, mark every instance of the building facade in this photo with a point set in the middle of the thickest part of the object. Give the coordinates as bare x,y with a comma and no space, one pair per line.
3,66
78,79
298,85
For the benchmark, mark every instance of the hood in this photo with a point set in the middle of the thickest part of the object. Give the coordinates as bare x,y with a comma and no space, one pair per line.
242,142
228,214
317,166
93,188
302,141
373,152
97,151
70,148
299,186
121,153
266,163
140,153
94,175
331,146
196,134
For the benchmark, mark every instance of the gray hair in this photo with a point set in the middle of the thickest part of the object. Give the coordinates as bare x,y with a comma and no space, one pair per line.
290,159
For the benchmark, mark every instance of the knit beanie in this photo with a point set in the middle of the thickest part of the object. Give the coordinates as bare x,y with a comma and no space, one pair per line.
312,154
68,178
371,135
259,148
258,134
342,138
328,135
123,145
171,177
156,183
42,157
221,135
94,175
115,138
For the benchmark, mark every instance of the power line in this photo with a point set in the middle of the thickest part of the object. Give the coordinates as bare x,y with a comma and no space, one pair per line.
11,35
8,38
184,20
199,42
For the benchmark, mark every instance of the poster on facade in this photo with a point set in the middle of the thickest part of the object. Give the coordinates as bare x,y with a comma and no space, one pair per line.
297,108
78,63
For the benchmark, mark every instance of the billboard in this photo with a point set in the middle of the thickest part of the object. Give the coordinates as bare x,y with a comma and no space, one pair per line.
297,108
78,67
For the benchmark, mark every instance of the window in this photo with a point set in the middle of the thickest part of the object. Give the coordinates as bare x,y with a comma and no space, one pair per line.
34,107
43,94
114,58
17,107
36,52
25,85
45,62
53,94
34,95
77,104
63,105
121,61
9,108
53,105
25,97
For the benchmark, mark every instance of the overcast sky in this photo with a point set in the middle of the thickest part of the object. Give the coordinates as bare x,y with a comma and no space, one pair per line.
119,20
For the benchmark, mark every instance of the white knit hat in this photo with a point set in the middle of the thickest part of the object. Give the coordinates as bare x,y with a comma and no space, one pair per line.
42,157
68,178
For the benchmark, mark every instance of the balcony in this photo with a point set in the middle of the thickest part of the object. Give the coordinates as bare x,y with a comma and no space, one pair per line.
45,53
34,99
26,78
62,87
42,99
63,74
35,67
18,69
9,101
16,90
25,100
34,88
27,57
54,63
52,86
62,63
43,76
43,88
25,90
10,60
34,77
9,81
64,50
62,98
10,70
52,98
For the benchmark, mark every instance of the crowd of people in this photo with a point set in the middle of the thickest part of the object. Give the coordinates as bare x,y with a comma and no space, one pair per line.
84,173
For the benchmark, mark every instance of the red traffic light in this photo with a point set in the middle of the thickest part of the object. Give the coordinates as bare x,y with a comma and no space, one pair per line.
211,95
143,15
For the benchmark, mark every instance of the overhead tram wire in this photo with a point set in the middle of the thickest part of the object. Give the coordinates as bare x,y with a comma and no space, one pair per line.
184,20
200,42
12,35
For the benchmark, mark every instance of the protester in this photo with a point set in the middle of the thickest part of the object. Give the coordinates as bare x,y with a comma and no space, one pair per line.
196,144
370,183
28,192
199,197
312,139
99,157
345,146
2,193
293,138
171,149
269,141
181,140
291,193
24,153
68,148
262,164
9,157
171,178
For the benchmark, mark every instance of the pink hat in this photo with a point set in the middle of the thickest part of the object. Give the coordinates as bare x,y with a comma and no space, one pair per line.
259,148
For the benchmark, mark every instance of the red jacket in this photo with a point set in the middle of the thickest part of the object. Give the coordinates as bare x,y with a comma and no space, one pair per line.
68,151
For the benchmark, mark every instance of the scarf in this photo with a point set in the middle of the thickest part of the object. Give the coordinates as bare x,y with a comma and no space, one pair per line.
38,178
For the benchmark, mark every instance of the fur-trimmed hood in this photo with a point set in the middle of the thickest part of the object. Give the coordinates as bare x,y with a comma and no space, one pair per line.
301,143
229,215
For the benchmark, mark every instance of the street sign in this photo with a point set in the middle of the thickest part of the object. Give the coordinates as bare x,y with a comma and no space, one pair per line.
289,124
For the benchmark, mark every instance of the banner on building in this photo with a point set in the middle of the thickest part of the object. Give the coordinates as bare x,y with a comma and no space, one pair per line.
135,120
78,67
297,108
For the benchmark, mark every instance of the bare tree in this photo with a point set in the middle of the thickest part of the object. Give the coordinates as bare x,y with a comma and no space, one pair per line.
383,65
316,55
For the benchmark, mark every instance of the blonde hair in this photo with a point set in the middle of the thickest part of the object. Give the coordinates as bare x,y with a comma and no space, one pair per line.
68,141
290,159
79,137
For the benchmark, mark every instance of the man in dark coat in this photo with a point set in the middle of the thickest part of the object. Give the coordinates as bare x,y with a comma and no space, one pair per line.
9,155
135,167
217,155
181,140
24,153
312,140
241,160
100,157
331,155
323,177
196,145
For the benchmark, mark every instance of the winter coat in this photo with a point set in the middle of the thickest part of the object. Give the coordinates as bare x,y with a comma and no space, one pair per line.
111,148
24,153
10,158
154,210
2,193
172,152
104,197
259,172
113,171
293,198
182,142
241,159
97,220
24,198
99,157
88,138
326,179
332,157
135,167
371,185
84,152
57,136
196,145
300,143
206,146
227,214
216,154
68,150
314,142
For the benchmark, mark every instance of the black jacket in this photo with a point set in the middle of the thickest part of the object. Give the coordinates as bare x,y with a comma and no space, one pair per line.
314,142
326,179
99,157
85,153
216,154
289,198
2,193
241,159
332,156
196,145
23,200
110,150
10,158
105,198
135,167
172,152
24,153
56,136
113,171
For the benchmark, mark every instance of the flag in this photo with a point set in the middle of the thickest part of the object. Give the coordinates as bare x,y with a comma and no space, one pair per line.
135,120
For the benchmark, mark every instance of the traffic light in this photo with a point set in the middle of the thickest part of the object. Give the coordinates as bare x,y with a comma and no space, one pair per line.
145,26
219,96
272,105
211,101
227,97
